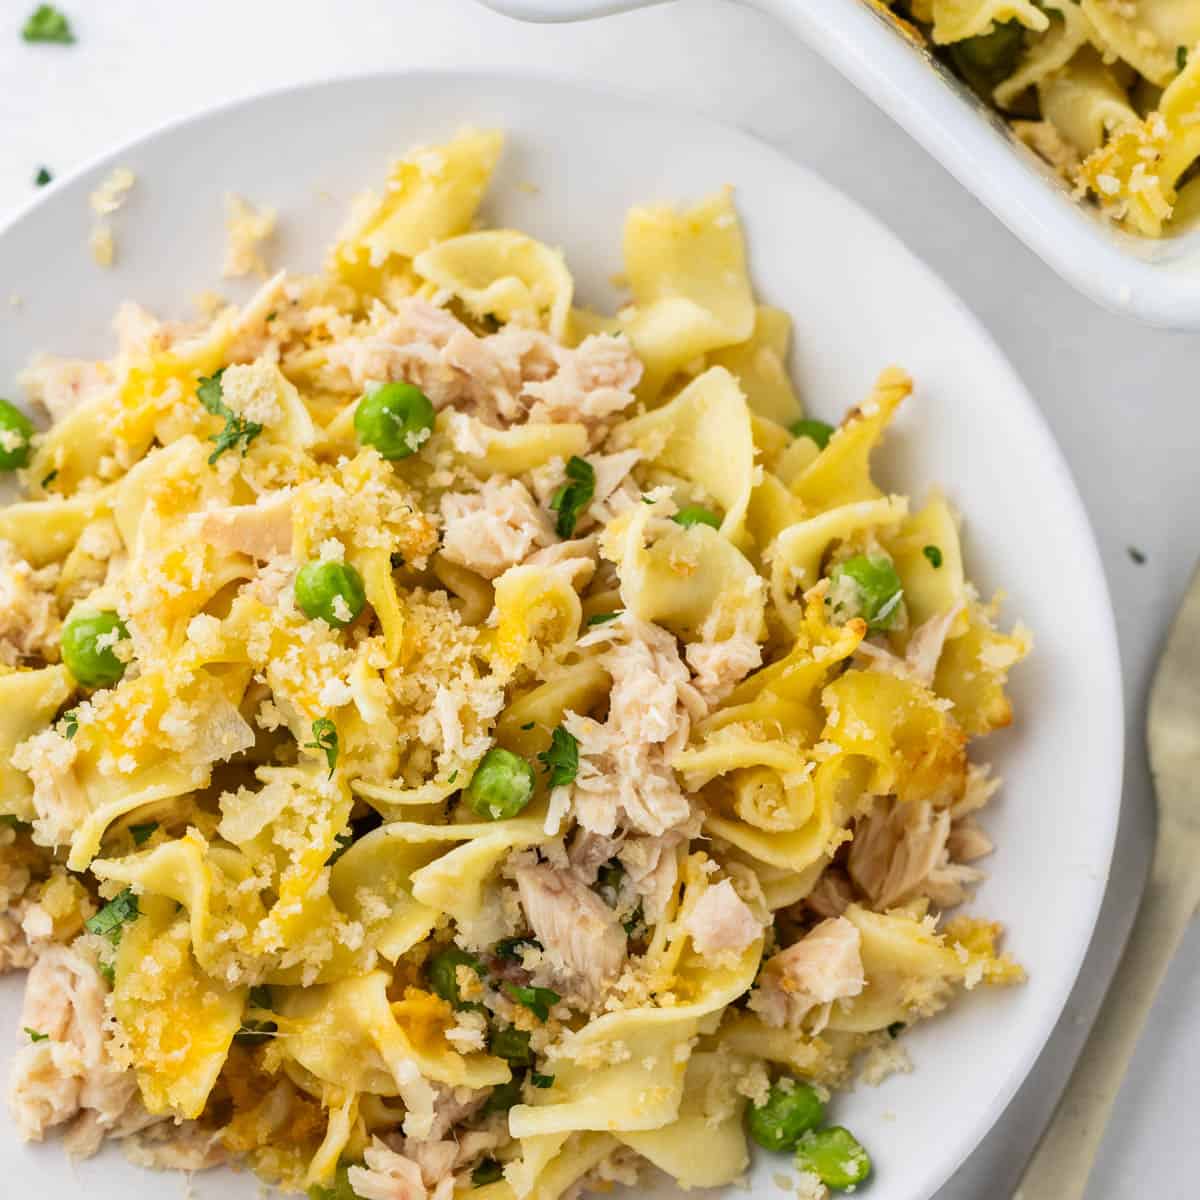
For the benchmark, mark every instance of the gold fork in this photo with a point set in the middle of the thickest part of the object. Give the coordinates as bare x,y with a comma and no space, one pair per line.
1063,1159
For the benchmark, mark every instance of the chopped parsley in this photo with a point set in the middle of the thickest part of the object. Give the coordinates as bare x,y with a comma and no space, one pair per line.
47,24
562,758
537,999
341,843
325,740
934,554
636,925
512,1045
896,1028
237,429
42,177
509,948
488,1171
110,921
541,1081
71,717
256,1031
1137,555
1181,57
574,495
35,1036
603,618
141,833
503,1097
50,479
453,775
528,725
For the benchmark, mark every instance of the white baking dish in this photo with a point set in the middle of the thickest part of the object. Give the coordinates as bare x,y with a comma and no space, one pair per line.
1155,280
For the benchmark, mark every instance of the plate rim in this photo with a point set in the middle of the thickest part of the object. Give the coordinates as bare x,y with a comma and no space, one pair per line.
1109,719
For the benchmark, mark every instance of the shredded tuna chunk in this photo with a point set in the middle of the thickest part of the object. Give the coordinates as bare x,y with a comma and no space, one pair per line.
593,383
832,894
493,529
502,378
721,924
624,764
262,530
71,1075
389,1175
29,621
166,1146
924,650
902,850
584,943
824,966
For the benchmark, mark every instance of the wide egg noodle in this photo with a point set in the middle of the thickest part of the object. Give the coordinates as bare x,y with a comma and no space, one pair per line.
290,800
502,274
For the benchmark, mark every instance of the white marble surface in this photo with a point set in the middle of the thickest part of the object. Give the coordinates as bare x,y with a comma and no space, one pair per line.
1123,400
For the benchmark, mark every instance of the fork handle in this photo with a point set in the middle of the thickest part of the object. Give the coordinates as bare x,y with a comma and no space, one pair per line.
1063,1158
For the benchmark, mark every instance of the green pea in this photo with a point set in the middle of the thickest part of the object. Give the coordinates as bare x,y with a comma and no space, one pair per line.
696,514
785,1116
94,665
16,434
816,431
835,1156
443,974
395,418
990,57
319,587
512,1045
875,586
501,786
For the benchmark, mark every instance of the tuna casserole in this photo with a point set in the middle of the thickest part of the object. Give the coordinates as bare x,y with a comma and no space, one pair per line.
1106,91
456,741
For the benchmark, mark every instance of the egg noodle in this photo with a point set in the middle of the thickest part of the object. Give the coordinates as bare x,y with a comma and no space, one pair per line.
1106,91
456,740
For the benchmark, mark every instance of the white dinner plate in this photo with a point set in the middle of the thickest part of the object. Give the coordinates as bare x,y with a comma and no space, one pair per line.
860,301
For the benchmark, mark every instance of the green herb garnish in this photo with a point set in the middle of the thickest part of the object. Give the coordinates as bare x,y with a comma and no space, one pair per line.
42,178
603,618
541,1081
71,717
237,429
537,999
111,919
35,1036
141,833
512,1045
325,740
562,758
574,495
1181,57
509,948
934,554
47,24
49,479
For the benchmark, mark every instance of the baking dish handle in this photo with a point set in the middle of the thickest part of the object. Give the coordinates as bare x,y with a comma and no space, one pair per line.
565,10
